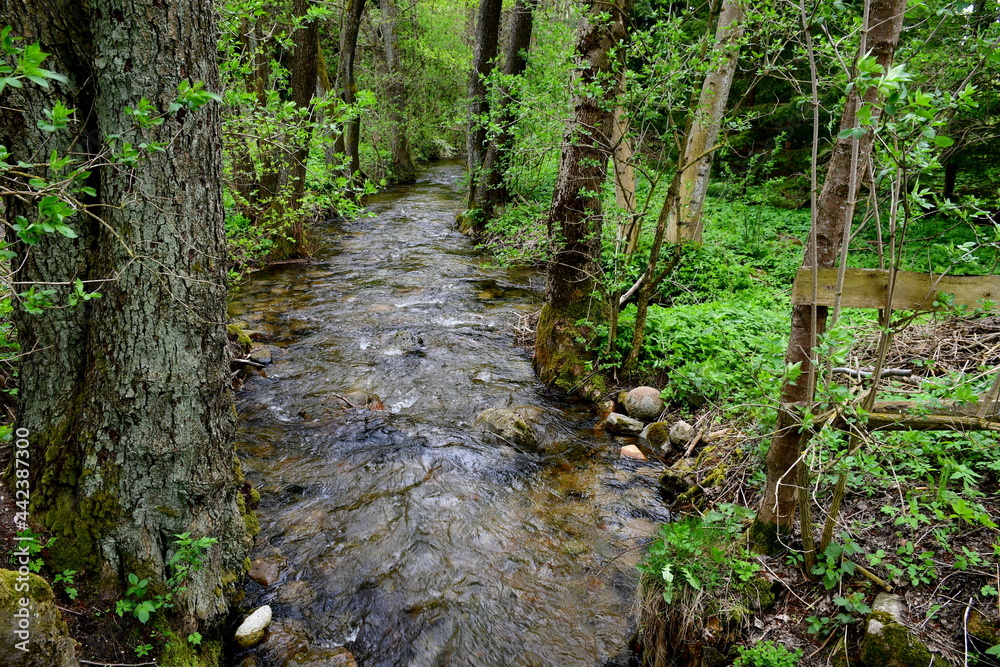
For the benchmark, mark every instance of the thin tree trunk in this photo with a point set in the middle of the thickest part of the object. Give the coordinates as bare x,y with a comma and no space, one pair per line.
629,230
303,70
836,204
403,170
324,87
484,54
575,216
127,400
685,224
492,190
348,88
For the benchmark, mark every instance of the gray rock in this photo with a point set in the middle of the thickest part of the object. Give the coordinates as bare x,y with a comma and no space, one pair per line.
251,631
30,616
644,403
681,433
622,424
506,426
261,355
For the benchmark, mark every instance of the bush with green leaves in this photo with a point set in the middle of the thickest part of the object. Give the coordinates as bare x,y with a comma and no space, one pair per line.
719,350
695,554
767,654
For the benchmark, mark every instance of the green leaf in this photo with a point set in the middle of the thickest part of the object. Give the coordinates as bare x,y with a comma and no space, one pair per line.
943,141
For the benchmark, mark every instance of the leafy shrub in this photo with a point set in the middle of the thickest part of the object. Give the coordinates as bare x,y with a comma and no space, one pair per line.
714,350
767,654
518,235
694,554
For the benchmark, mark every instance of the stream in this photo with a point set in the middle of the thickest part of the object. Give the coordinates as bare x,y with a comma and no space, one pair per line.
406,534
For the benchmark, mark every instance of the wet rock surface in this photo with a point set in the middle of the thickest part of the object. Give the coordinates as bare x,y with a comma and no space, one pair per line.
412,537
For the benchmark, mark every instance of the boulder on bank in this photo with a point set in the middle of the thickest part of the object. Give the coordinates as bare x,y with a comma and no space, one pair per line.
656,437
681,433
31,621
620,424
506,426
644,404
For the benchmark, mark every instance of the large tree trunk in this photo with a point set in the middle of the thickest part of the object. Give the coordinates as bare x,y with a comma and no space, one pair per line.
403,170
836,205
575,216
487,36
685,224
348,88
492,189
127,400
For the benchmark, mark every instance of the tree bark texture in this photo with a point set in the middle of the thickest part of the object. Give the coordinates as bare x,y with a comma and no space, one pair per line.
403,169
491,188
777,510
575,215
127,399
303,72
483,56
348,88
686,223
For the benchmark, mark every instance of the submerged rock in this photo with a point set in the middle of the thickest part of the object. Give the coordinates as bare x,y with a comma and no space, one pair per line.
622,425
261,355
251,631
267,570
644,403
507,426
330,657
31,621
358,398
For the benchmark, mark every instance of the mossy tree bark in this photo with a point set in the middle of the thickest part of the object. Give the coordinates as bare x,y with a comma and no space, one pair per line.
492,190
561,359
835,206
127,400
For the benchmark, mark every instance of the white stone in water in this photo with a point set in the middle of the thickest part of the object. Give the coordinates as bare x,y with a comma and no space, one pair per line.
251,631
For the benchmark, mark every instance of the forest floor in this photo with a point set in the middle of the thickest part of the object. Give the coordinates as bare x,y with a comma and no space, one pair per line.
918,520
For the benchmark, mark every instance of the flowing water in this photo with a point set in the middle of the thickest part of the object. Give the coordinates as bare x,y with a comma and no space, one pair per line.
405,534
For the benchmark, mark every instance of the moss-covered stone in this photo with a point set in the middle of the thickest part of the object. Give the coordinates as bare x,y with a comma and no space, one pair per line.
888,643
658,435
34,631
